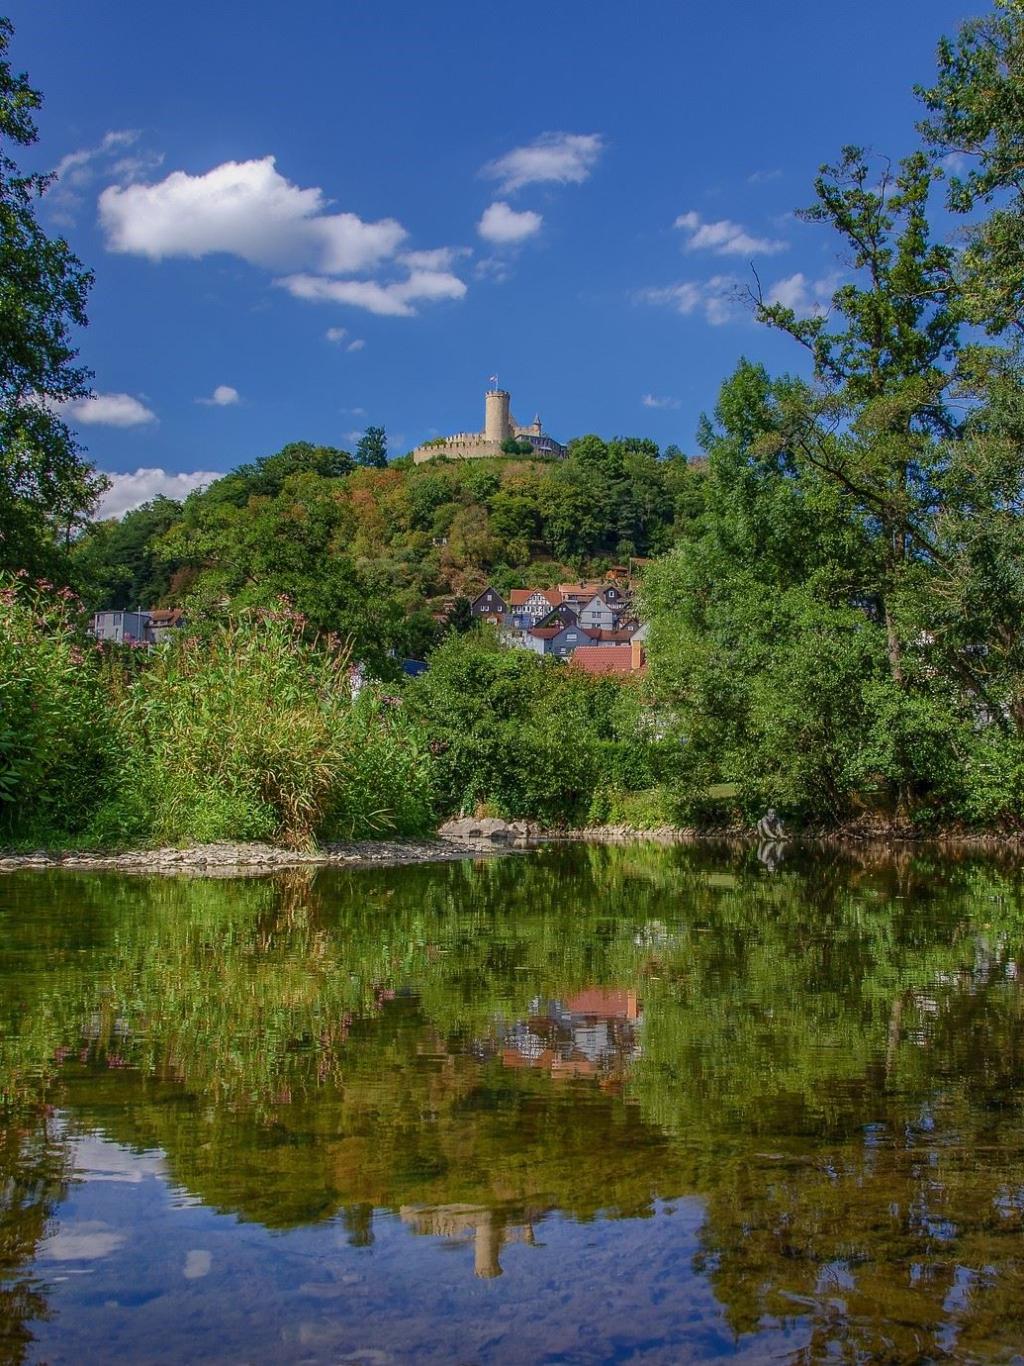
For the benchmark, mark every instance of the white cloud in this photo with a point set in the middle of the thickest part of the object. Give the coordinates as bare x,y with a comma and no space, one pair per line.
565,158
107,410
494,268
72,165
437,258
395,299
129,491
954,162
247,209
724,237
503,226
715,298
356,345
75,172
354,412
335,334
222,397
764,177
805,297
650,401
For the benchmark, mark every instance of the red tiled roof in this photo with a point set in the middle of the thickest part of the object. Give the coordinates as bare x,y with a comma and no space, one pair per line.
165,615
546,632
519,597
606,659
581,590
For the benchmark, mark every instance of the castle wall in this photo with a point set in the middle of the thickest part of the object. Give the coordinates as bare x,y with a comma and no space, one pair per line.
458,448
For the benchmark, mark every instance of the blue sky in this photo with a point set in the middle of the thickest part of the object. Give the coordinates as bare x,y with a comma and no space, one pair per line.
307,218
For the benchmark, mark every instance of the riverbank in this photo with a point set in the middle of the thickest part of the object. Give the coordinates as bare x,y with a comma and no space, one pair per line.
487,837
230,859
890,833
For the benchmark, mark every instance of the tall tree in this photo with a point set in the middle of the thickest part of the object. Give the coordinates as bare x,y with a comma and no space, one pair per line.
46,485
372,448
976,124
876,418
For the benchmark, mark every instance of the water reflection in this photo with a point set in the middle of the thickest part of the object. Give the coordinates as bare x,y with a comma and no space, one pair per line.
824,1059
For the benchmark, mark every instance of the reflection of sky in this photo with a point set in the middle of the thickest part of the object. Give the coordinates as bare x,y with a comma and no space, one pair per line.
178,1283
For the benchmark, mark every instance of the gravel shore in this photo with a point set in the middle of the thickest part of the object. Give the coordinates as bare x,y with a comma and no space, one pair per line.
212,860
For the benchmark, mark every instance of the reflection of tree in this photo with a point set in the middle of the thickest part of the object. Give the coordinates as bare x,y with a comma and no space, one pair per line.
830,1056
33,1176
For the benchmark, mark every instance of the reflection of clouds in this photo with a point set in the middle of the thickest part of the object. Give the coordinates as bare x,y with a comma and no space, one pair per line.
97,1159
197,1264
84,1242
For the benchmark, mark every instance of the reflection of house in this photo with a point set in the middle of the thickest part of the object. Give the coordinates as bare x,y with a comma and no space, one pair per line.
592,1034
488,1228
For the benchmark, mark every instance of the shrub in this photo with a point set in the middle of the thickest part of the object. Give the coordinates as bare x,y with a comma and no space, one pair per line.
56,726
250,733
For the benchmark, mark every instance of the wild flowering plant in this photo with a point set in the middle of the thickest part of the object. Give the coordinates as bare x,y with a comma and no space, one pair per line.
56,731
250,732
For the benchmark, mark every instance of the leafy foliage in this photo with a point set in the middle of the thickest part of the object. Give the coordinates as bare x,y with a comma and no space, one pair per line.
46,487
57,740
249,732
525,736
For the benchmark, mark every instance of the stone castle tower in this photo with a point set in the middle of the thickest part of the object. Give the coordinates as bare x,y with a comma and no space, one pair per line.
497,416
499,426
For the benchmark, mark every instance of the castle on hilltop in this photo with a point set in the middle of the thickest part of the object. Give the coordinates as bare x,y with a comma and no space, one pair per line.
499,426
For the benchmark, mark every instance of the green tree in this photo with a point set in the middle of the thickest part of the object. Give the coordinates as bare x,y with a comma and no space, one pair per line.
47,487
372,448
118,564
976,119
873,424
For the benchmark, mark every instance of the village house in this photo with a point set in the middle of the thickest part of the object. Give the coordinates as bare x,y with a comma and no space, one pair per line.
562,615
526,606
577,595
489,606
554,640
597,615
138,627
590,615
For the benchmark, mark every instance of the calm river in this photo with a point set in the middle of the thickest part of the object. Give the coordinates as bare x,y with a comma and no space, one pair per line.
582,1105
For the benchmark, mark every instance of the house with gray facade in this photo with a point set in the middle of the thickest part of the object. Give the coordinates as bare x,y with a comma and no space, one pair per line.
136,627
489,606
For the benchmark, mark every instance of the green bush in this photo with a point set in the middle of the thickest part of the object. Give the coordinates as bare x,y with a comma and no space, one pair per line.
525,736
646,810
250,733
56,724
993,781
247,733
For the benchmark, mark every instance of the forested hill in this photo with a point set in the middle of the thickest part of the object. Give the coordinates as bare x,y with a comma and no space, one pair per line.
378,553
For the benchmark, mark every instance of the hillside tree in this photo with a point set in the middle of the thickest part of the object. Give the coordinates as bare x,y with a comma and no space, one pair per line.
47,486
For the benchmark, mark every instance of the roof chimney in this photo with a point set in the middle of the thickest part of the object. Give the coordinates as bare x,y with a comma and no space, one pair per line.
636,655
